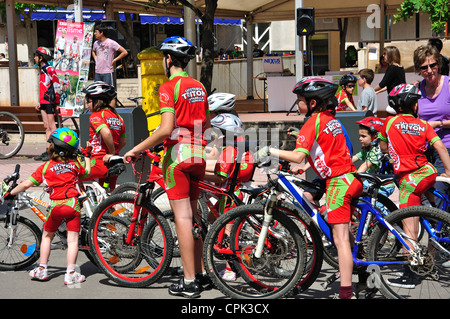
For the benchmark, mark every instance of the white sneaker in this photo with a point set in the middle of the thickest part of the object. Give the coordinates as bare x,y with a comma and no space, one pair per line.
73,278
39,273
229,275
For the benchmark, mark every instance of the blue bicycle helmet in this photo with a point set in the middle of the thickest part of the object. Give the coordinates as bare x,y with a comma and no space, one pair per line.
66,139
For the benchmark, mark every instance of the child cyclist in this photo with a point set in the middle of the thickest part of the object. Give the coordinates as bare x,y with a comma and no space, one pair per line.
221,171
405,137
60,174
345,96
370,153
321,140
106,130
184,119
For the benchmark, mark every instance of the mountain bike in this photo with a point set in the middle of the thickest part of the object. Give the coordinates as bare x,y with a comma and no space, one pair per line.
381,243
116,232
12,135
22,237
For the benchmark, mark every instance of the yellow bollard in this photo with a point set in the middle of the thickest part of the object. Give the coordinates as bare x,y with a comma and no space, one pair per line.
152,76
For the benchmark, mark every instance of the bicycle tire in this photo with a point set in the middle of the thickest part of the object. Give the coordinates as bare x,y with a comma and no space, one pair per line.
311,234
430,277
330,252
12,135
288,246
114,256
125,188
26,246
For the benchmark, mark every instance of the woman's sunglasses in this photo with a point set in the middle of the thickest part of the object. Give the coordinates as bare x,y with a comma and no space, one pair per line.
431,65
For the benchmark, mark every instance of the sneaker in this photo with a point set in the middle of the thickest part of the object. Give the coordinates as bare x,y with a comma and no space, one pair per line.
188,291
39,157
45,157
336,296
405,280
228,275
73,278
446,264
204,281
39,273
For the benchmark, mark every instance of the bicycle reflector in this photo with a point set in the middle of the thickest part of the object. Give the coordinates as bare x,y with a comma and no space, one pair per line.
305,21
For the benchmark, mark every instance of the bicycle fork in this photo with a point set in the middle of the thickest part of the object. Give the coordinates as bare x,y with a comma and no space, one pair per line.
12,226
268,215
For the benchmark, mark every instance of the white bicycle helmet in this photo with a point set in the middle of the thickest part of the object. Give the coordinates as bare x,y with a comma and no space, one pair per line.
221,102
228,122
100,91
178,46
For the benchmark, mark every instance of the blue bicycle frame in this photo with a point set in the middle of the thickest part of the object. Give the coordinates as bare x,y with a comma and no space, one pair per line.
286,180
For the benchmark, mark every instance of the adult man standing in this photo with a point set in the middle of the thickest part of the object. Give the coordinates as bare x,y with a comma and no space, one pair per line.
103,53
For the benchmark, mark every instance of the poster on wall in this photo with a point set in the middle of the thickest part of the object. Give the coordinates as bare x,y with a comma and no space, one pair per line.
71,62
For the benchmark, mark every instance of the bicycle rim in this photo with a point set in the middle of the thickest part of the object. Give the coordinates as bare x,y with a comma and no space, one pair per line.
275,274
11,135
423,276
139,264
26,244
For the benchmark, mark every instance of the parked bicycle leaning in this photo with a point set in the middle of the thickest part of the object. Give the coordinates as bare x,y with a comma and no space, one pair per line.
61,174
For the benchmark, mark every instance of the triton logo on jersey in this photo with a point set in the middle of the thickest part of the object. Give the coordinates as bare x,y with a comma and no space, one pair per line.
195,94
333,127
61,168
410,128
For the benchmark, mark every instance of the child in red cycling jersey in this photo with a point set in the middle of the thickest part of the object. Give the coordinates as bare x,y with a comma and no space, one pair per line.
49,94
405,137
106,130
222,170
184,119
345,95
322,141
60,174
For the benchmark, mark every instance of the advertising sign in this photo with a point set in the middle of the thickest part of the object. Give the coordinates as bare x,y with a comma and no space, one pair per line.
71,62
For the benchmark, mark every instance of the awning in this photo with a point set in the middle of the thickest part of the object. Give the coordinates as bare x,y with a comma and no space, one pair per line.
152,19
98,15
63,14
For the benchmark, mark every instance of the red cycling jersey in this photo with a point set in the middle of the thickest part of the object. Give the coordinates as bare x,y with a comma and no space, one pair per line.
322,139
407,137
98,120
341,97
226,164
61,178
187,99
46,79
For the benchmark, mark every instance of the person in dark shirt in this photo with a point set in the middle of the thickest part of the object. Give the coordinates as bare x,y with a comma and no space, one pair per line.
437,43
395,73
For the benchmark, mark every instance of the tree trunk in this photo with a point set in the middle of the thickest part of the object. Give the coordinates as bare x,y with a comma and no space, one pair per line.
125,28
342,36
208,45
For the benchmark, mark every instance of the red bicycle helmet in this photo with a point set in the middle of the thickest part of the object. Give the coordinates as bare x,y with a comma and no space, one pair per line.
373,123
44,53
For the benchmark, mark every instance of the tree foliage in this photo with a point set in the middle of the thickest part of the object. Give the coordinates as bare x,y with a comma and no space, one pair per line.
437,9
207,38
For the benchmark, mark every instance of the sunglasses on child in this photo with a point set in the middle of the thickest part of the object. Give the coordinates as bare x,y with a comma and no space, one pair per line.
351,86
431,65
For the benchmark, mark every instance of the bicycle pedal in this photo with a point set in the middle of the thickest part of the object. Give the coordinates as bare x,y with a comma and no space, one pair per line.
196,232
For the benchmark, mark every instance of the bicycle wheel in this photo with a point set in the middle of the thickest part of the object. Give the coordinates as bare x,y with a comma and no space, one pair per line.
128,187
280,267
330,252
422,275
313,242
12,135
130,265
26,244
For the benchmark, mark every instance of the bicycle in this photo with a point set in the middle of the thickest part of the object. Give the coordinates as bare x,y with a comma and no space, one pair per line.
115,233
383,247
12,135
23,237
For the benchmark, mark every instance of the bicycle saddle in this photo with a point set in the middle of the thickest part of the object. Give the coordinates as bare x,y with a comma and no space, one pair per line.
378,179
135,99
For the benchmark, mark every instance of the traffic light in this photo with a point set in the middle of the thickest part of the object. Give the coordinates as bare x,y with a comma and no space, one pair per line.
305,21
